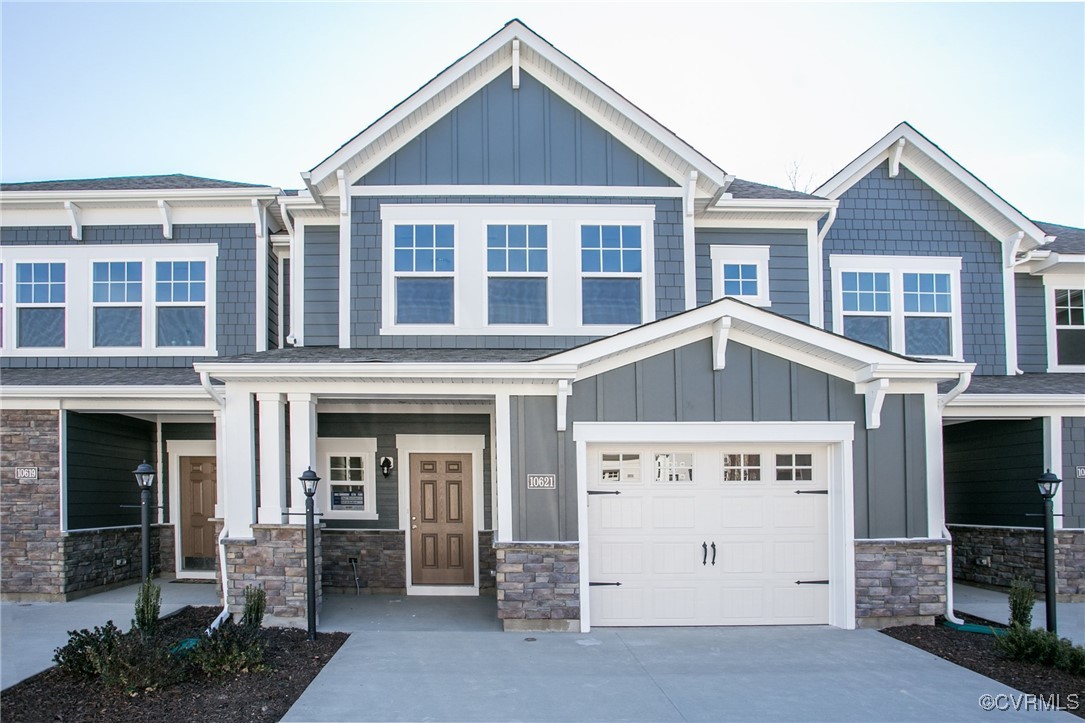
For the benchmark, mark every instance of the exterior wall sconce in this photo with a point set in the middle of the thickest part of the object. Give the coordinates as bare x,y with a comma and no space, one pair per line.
386,465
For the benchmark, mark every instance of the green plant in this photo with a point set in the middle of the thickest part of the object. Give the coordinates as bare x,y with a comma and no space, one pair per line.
138,664
255,602
1043,648
148,607
1022,598
229,648
85,652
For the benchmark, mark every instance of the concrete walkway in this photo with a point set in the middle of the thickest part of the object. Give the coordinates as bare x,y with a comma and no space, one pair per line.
994,605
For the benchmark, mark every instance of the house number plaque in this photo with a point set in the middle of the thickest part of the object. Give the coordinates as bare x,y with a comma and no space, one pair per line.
542,482
26,473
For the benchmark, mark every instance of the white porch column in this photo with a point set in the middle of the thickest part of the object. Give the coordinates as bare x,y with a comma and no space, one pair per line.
220,466
238,474
273,479
503,483
302,445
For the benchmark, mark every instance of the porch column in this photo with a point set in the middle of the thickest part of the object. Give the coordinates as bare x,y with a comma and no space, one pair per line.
302,446
273,478
503,482
238,474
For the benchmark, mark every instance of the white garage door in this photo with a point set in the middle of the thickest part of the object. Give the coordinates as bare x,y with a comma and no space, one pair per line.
708,535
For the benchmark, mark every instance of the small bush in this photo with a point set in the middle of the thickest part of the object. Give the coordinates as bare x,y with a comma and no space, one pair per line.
86,650
139,664
1022,598
230,648
1043,648
255,603
148,607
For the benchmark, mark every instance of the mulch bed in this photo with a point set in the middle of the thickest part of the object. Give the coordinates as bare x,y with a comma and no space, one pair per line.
292,660
976,651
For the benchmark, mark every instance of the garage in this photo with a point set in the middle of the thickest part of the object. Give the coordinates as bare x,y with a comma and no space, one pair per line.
708,534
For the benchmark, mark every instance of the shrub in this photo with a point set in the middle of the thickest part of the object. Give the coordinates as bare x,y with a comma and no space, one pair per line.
148,607
85,651
229,648
255,603
1043,648
138,664
1022,598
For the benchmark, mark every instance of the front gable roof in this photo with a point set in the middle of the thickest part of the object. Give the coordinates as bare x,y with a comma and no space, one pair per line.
907,146
518,47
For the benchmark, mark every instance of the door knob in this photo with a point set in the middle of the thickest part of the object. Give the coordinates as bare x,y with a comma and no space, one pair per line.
414,527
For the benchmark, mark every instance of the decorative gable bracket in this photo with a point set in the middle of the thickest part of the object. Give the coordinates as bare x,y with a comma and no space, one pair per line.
721,331
874,391
76,215
565,390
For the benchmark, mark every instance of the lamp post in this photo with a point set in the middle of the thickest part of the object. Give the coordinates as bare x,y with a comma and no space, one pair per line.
309,482
145,479
1049,485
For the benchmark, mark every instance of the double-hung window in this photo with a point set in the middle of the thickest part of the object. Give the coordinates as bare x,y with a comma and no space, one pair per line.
741,272
907,304
424,261
517,267
180,301
40,290
611,274
117,297
1069,307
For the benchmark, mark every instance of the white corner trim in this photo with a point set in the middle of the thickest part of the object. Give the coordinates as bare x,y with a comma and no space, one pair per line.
167,218
721,330
894,157
874,392
502,481
344,262
565,390
263,254
75,213
1053,461
516,64
689,247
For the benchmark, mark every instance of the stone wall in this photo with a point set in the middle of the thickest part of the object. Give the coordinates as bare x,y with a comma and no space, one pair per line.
538,585
899,582
275,561
487,563
381,556
31,544
91,557
996,555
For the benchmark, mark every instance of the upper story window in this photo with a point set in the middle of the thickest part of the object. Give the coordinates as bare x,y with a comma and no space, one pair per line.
425,265
517,265
1069,318
741,272
116,300
907,304
504,269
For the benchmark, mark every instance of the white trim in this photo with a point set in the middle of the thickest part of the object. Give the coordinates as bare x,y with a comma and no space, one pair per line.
936,502
238,469
271,411
301,406
263,255
281,260
1053,462
75,215
175,449
647,192
689,242
62,467
502,481
815,265
122,212
722,254
297,282
364,447
1052,283
473,444
345,286
1011,406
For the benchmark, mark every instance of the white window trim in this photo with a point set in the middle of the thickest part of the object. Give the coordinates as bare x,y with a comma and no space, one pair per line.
454,274
731,254
646,280
897,266
1052,282
79,304
563,267
364,447
520,328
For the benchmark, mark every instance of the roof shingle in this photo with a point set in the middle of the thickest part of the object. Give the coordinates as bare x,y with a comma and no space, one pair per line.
171,182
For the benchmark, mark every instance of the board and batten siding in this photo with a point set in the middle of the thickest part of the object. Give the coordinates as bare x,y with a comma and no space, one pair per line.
384,428
1031,324
990,472
235,287
528,136
789,267
321,286
903,216
102,451
890,469
1073,456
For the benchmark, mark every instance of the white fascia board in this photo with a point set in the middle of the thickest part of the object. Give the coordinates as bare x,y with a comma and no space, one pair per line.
776,217
1014,402
1055,262
107,391
527,371
932,371
813,205
519,190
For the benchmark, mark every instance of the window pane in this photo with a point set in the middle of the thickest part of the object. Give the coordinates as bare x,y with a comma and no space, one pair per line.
926,335
41,328
117,326
181,326
517,301
424,301
1071,346
868,329
611,301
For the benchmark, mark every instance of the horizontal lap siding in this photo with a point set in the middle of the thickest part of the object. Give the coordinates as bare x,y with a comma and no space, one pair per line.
990,472
789,267
102,451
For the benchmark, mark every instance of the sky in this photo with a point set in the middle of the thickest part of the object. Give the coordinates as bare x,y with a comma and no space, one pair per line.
261,91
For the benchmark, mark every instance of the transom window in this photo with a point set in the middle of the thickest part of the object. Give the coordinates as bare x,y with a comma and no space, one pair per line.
517,267
674,467
1069,327
180,297
741,467
610,264
40,293
741,272
424,265
117,295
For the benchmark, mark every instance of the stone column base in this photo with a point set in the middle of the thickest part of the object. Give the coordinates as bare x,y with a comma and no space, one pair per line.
899,582
273,559
538,586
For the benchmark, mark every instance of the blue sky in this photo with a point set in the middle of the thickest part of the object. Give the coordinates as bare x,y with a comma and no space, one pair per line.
261,91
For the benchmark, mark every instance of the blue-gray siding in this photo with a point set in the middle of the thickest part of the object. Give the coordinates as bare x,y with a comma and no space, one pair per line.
789,268
1031,324
272,301
890,484
365,268
528,136
102,451
903,216
235,289
322,286
384,428
990,472
1073,456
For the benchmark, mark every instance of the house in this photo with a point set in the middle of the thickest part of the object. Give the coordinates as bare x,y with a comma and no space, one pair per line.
537,346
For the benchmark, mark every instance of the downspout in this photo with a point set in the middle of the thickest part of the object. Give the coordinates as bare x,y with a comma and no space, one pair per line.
962,383
205,381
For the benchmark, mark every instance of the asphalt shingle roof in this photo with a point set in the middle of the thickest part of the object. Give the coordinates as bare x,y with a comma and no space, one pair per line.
171,182
101,376
1069,240
1025,384
748,189
335,355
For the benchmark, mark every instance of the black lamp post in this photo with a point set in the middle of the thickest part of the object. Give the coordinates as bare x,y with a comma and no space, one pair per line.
309,482
1049,485
145,479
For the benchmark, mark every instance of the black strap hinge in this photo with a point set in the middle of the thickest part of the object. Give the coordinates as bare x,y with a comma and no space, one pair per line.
811,582
604,492
811,492
604,584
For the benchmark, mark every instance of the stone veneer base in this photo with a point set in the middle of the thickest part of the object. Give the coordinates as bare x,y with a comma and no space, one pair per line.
538,586
1018,552
899,582
274,559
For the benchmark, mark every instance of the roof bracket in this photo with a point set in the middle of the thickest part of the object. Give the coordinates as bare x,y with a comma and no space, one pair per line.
76,215
894,157
874,390
516,64
307,179
1010,247
167,218
258,213
721,330
565,390
344,193
723,194
691,192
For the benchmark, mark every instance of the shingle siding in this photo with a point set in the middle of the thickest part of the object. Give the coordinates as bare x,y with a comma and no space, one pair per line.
903,216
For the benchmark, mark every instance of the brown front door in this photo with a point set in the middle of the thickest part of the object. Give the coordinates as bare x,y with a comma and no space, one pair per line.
442,546
198,495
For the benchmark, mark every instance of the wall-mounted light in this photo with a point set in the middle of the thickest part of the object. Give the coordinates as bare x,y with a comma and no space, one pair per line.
386,465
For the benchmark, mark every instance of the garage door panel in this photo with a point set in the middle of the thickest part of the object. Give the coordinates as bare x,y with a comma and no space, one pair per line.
796,556
676,605
619,558
674,512
741,512
623,605
672,559
797,512
799,604
742,604
741,557
624,512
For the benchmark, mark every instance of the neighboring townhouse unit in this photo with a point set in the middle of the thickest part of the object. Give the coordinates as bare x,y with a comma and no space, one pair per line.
537,346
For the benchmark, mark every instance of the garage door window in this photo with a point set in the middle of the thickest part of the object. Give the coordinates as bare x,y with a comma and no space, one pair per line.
674,467
621,468
794,467
742,468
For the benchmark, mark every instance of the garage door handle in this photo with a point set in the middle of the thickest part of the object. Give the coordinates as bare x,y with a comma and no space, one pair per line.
713,553
704,559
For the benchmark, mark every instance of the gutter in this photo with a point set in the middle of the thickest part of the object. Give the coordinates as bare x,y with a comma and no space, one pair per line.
962,383
205,381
